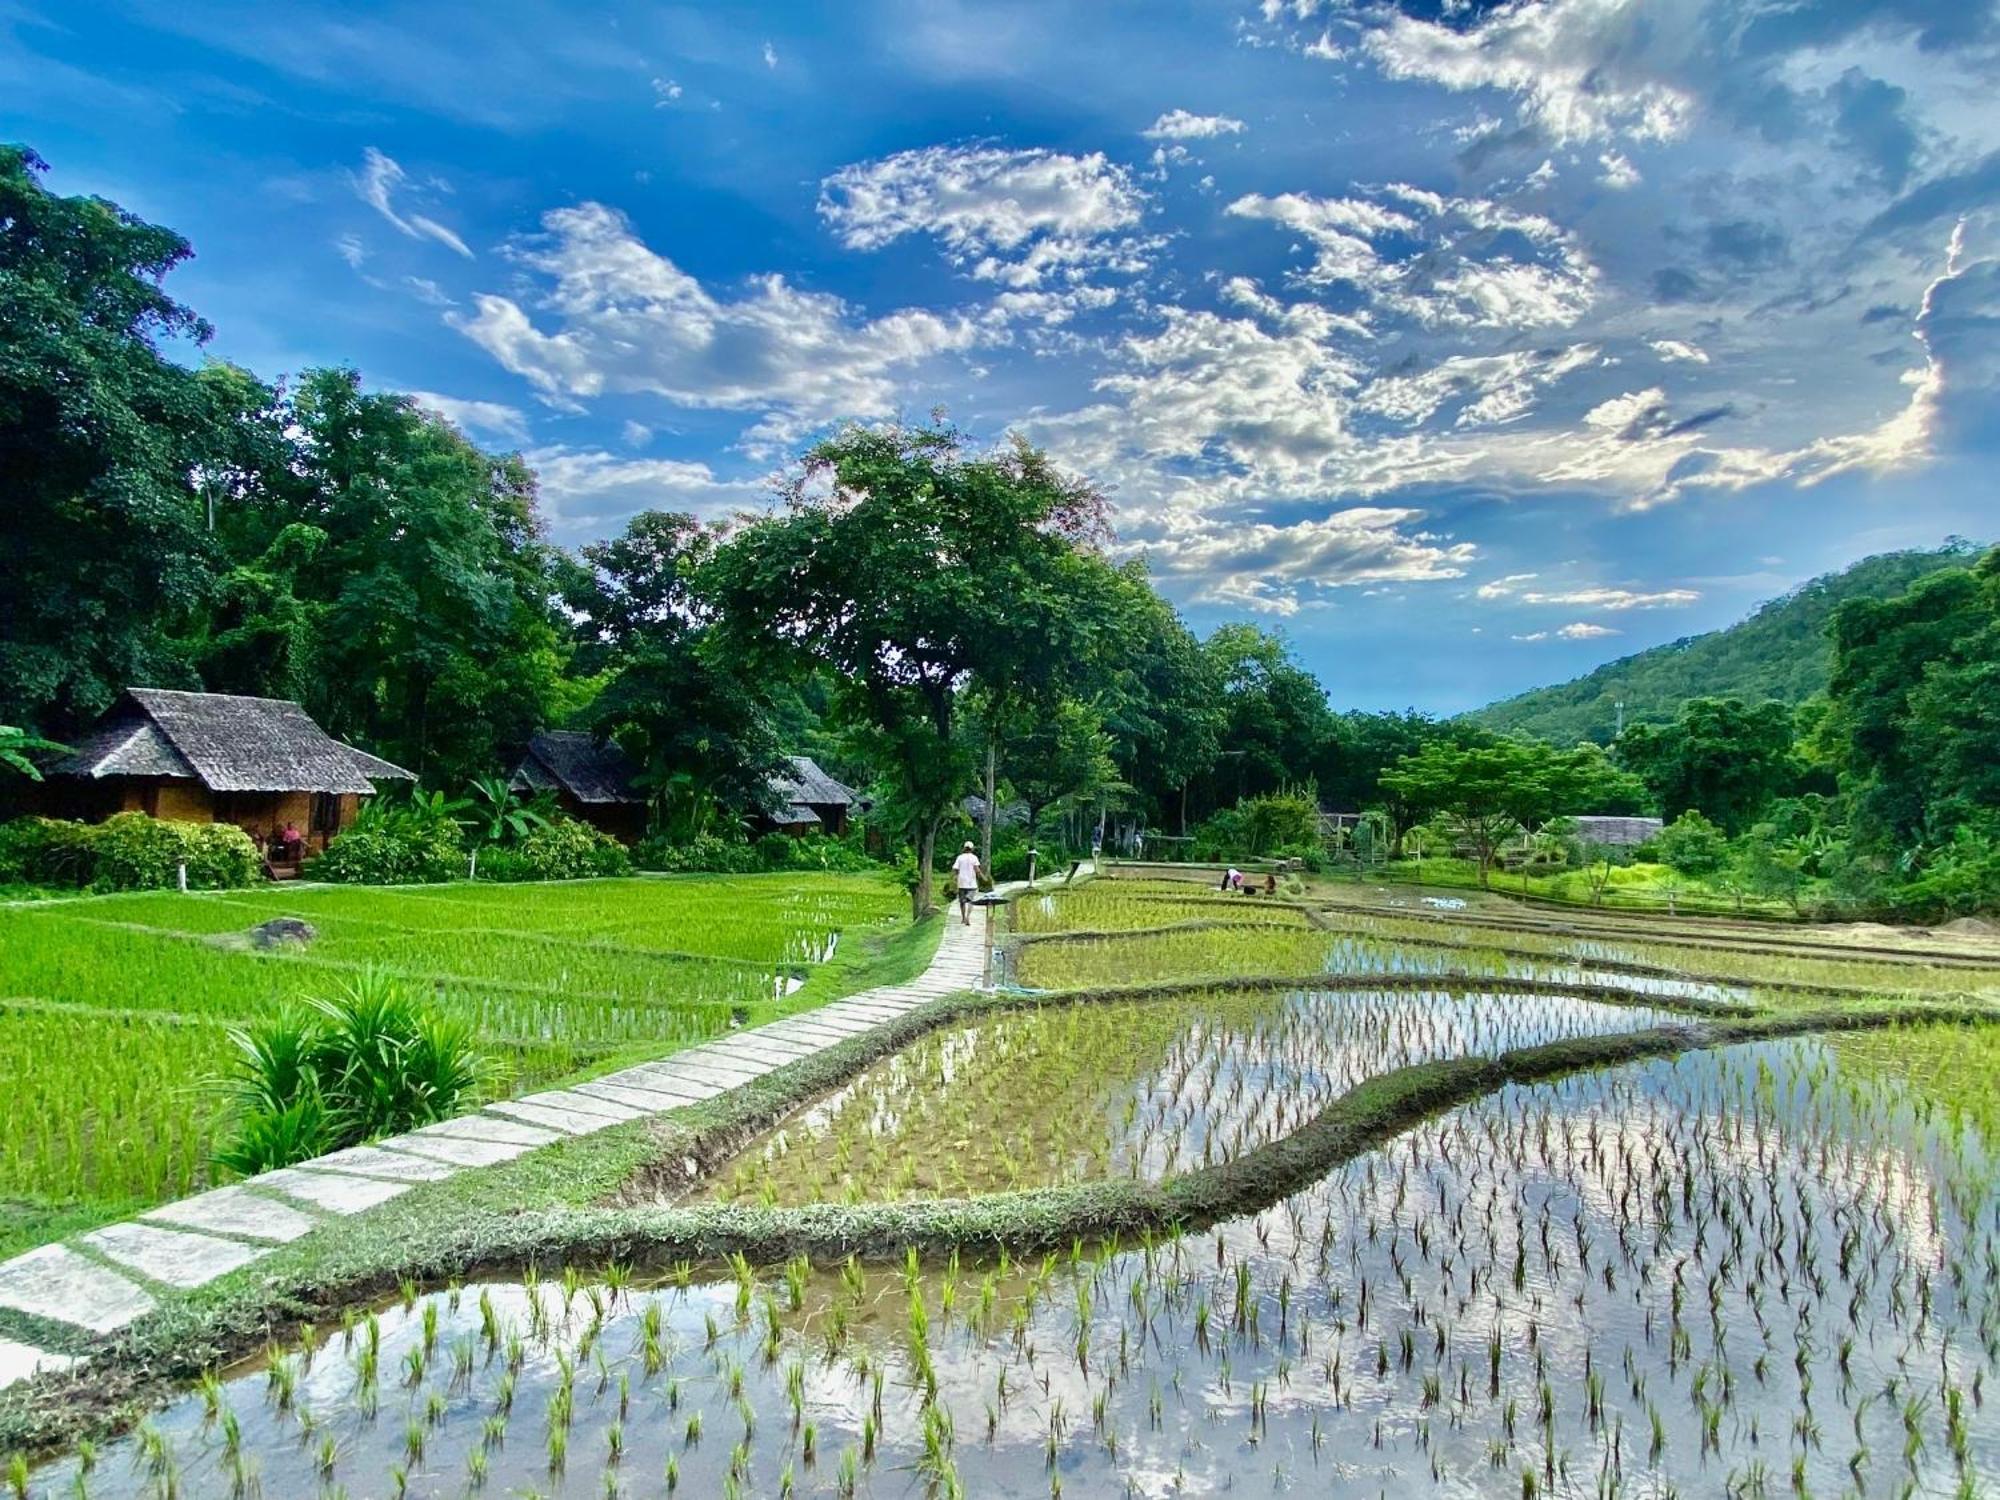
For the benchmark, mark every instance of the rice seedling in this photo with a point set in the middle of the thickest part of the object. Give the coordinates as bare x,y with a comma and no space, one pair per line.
1769,1268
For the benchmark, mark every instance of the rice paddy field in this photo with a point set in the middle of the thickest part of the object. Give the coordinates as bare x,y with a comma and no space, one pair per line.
114,1009
1753,1268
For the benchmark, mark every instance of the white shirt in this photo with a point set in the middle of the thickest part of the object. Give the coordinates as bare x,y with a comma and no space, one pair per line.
966,868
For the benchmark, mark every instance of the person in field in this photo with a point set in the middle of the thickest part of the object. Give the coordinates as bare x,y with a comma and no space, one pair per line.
965,869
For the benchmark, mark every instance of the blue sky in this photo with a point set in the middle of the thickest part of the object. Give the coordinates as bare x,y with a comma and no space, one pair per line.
1470,344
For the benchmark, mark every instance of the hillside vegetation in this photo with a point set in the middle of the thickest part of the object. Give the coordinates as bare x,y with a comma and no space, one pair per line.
1781,651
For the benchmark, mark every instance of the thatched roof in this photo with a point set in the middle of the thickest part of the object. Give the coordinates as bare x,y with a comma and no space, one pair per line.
227,743
806,785
565,760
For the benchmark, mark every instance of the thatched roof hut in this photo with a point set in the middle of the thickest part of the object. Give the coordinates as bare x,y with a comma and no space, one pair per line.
592,780
805,798
261,763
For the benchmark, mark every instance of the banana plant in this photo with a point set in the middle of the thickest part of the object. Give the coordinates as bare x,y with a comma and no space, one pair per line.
17,745
495,813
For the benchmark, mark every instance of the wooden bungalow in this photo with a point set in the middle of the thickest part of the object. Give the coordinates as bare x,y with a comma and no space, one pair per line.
592,781
260,763
807,800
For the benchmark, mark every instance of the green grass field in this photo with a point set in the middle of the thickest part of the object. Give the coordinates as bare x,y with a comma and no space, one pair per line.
114,1010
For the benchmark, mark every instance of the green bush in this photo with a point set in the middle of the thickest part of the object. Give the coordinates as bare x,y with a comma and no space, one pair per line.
47,851
1259,826
369,1062
561,849
392,851
1312,856
1692,845
705,854
127,852
711,855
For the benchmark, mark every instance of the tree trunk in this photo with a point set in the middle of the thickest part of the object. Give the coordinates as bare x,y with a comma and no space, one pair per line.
920,894
986,814
1184,787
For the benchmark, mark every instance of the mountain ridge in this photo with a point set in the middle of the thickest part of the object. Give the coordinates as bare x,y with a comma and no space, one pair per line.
1779,650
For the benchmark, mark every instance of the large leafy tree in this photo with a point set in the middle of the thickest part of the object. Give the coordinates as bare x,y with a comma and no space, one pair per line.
1361,746
673,695
1724,758
914,570
1916,680
1954,735
430,585
1486,791
1275,718
1164,707
1060,757
103,442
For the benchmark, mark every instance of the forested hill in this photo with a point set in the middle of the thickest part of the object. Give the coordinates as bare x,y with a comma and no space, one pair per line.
1780,652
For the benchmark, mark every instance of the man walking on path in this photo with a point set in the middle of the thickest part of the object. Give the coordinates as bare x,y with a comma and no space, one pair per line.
966,868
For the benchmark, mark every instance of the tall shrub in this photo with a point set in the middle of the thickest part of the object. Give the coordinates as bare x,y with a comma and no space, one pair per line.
369,1061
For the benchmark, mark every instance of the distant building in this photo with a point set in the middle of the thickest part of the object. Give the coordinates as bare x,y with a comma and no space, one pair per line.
807,800
260,763
592,780
1616,832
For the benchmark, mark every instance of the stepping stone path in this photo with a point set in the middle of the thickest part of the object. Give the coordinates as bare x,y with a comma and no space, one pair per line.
107,1279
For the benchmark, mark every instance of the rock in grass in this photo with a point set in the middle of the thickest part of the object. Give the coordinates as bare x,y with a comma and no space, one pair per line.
280,931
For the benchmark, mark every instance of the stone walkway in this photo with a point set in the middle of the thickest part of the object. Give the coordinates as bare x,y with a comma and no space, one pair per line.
104,1280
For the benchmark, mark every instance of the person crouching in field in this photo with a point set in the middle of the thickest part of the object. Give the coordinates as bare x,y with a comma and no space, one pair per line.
966,870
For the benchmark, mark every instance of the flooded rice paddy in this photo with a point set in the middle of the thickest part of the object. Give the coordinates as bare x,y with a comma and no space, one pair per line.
1737,1272
1767,1269
1125,1089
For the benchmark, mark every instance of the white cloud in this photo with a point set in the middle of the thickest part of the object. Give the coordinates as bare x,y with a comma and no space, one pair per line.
1265,568
1618,173
1491,389
770,56
377,183
1441,261
666,92
1581,630
350,249
1013,216
588,491
1609,598
623,319
1576,66
492,417
1673,350
1181,125
635,434
1500,588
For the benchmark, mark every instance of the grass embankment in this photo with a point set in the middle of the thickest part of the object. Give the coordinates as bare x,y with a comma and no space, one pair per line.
115,1009
1648,888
